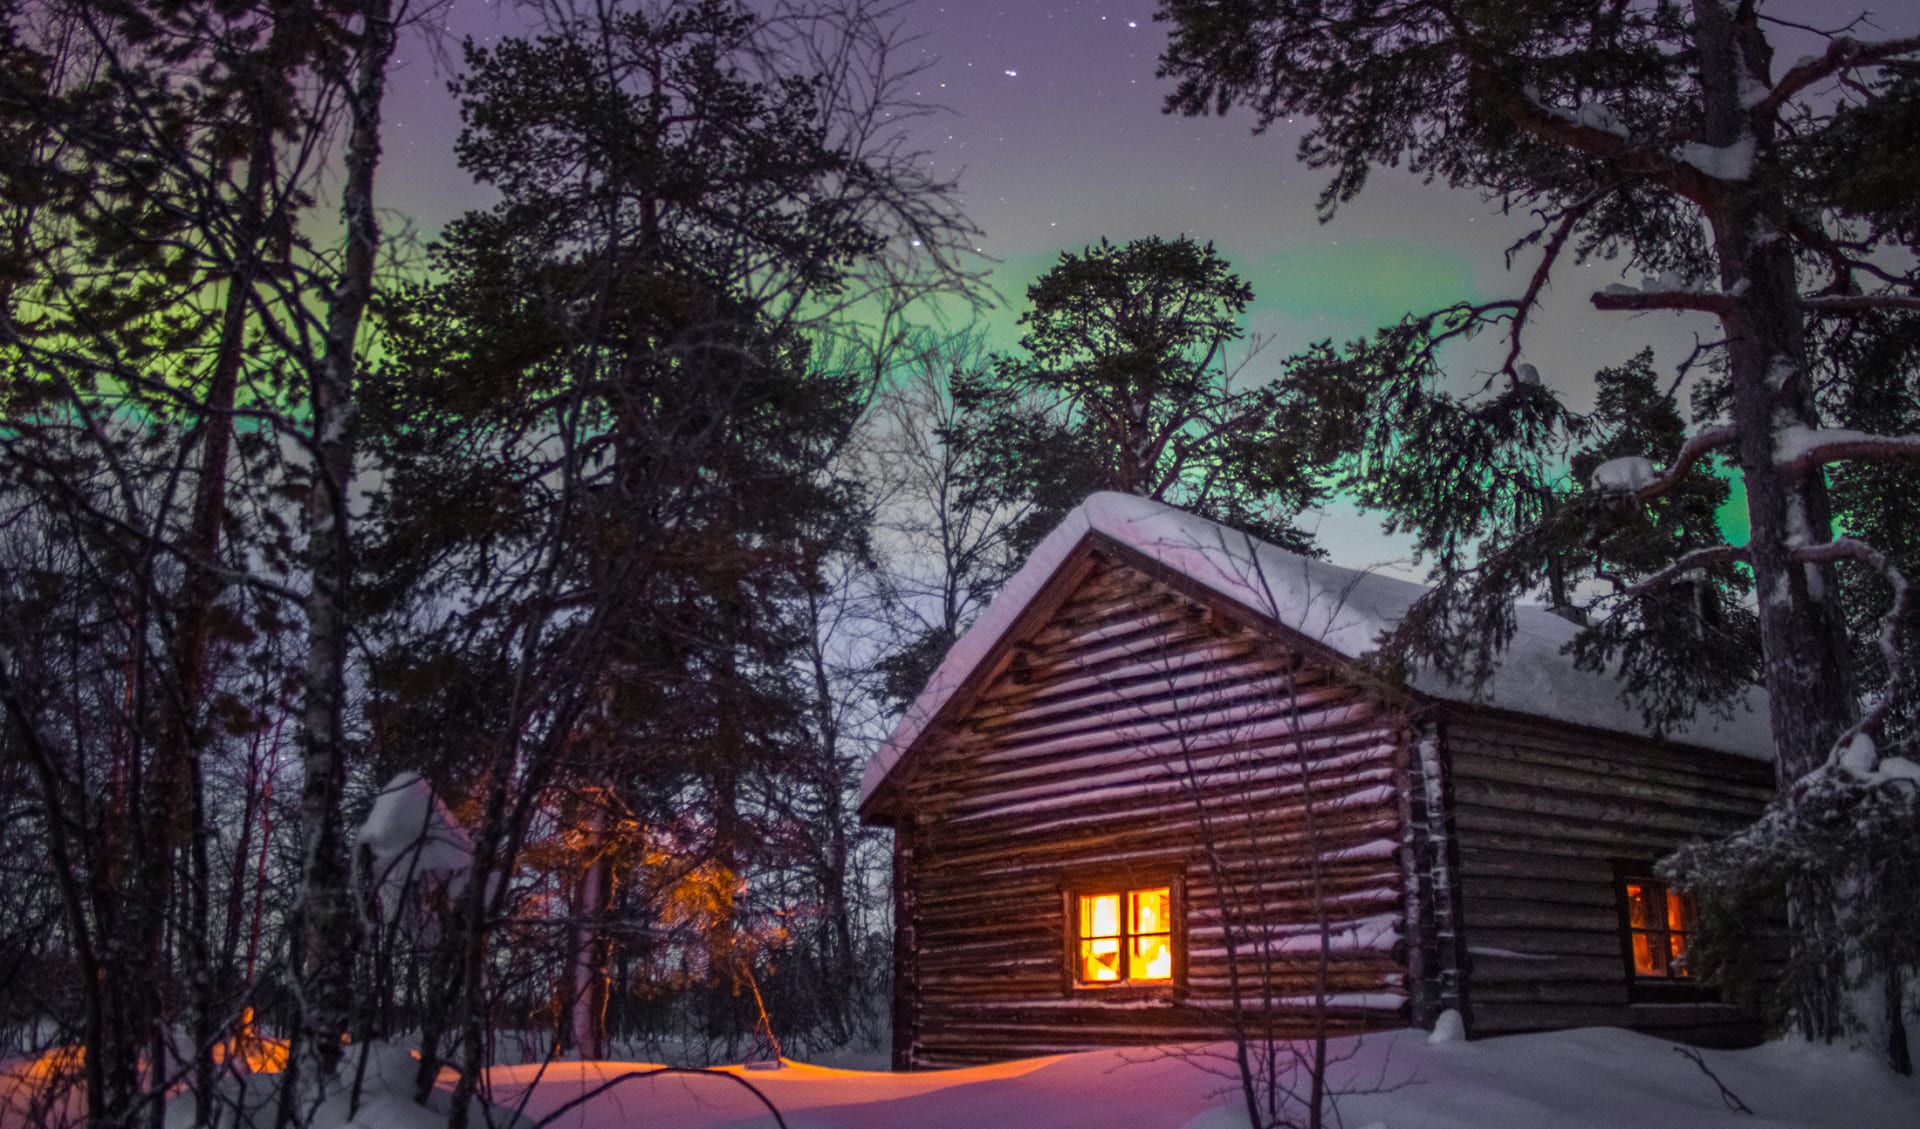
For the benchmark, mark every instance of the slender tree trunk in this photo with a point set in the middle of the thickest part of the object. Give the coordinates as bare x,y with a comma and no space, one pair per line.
186,738
838,971
590,951
324,925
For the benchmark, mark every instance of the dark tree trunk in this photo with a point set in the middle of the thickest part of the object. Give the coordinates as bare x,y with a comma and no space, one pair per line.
1802,629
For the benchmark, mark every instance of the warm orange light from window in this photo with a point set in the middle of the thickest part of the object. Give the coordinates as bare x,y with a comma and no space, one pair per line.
1137,947
1101,916
1152,957
1660,926
1100,938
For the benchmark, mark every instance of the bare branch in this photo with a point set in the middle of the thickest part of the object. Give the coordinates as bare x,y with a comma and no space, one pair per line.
1569,219
1840,263
1700,348
1731,1099
1843,305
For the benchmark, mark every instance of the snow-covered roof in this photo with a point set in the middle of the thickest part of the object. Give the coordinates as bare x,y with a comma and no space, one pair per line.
1344,609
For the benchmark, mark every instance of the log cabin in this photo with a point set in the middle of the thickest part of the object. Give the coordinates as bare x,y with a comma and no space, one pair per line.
1153,796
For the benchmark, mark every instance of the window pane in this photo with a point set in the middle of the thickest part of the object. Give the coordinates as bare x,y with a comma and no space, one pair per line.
1100,916
1125,937
1100,960
1660,924
1679,912
1639,913
1150,910
1647,956
1153,957
1677,953
1680,921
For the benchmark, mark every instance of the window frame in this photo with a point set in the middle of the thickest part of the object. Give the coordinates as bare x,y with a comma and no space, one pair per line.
1123,883
1654,989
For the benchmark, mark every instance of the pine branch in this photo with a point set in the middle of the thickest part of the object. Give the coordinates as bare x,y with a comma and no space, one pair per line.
1843,54
1695,561
1692,451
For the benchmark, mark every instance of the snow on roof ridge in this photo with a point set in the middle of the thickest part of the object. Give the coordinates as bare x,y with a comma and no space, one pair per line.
1345,609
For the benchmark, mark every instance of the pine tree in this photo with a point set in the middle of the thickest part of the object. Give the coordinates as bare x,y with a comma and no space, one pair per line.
610,423
1127,383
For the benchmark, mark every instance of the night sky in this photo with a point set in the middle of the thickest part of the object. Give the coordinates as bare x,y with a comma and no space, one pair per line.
1056,133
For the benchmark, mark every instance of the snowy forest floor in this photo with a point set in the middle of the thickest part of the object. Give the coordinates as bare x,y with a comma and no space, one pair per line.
1588,1079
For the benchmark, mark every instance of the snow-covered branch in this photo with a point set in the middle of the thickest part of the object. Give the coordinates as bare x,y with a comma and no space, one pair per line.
1594,135
1618,297
1842,54
1852,549
1689,562
1800,448
1637,476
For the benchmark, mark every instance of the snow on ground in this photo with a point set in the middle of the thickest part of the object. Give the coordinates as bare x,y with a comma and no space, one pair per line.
1597,1078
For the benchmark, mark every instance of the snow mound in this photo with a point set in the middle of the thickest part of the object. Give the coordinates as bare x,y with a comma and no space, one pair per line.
1624,475
1448,1028
1346,610
413,844
373,1090
1721,162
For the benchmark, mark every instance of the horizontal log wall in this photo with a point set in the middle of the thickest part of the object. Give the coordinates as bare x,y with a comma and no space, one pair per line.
1541,814
1128,732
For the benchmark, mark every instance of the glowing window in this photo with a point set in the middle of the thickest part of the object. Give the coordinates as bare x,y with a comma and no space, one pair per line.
1125,937
1660,929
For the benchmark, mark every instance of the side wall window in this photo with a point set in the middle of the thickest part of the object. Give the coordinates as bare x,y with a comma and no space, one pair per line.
1658,930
